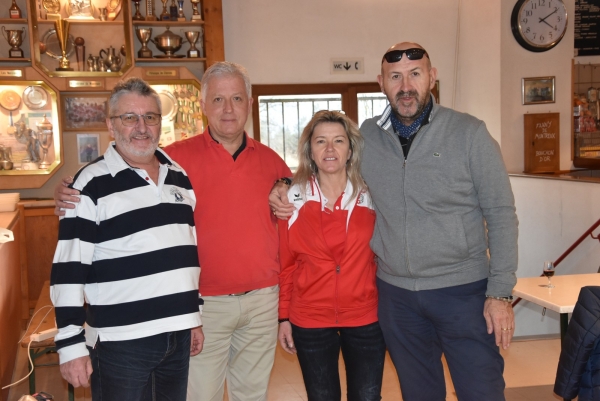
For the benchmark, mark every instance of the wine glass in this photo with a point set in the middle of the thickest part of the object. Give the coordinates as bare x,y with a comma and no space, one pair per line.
549,272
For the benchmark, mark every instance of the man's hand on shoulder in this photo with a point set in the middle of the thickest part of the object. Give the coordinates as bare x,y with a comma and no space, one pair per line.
500,320
197,341
65,197
77,371
279,203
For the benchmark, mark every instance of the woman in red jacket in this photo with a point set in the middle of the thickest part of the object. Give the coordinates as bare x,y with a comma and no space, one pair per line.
328,295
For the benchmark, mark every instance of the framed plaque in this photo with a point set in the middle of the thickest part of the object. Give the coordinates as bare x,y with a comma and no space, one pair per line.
542,142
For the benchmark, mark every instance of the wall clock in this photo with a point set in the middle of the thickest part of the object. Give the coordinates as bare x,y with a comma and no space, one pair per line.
538,25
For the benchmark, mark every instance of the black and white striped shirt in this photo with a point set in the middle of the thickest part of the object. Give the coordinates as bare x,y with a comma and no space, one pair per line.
128,250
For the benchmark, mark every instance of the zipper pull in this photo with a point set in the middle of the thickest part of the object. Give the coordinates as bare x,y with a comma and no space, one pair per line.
404,164
337,269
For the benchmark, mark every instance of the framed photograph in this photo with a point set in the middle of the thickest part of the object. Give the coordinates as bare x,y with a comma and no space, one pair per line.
85,112
537,90
88,147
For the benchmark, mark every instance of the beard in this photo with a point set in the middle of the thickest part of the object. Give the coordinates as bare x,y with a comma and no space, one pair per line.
125,142
407,116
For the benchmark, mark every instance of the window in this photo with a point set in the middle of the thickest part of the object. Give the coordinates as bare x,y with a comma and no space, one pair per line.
280,112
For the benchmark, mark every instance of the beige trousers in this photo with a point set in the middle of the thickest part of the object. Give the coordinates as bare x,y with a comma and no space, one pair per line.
240,339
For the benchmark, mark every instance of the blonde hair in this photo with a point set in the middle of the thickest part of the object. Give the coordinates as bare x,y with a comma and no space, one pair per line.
307,167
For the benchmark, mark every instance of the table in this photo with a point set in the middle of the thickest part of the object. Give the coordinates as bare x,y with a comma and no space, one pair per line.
562,298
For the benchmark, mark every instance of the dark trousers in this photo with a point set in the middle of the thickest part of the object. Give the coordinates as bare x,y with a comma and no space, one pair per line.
419,326
363,349
152,368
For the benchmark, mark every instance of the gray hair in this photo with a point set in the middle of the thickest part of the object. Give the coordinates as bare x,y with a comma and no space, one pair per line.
133,85
225,68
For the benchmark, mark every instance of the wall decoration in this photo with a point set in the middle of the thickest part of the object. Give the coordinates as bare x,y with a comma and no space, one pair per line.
88,147
85,112
537,90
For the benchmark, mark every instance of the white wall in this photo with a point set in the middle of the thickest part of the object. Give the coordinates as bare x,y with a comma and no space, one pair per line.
292,42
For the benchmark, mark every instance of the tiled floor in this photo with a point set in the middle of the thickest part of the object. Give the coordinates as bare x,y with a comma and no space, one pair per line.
530,367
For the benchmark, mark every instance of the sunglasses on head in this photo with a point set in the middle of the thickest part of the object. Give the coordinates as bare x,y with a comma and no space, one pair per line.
393,56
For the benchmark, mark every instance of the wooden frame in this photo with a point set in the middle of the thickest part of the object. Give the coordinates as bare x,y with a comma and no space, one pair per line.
541,133
347,90
85,111
88,148
537,90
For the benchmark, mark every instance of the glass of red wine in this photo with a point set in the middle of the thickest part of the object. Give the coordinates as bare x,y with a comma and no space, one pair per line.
549,272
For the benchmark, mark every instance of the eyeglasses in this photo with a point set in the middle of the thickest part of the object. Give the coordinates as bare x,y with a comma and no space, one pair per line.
131,119
393,56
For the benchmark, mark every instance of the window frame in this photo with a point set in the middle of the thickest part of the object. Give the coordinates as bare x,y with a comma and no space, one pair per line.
347,90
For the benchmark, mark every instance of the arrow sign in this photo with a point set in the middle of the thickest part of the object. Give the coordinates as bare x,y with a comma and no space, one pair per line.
350,65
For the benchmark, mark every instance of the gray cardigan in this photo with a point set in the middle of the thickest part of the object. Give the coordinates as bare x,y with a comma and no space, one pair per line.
433,208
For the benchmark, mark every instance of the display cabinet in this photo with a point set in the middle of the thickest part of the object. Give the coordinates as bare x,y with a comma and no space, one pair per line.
15,49
96,37
30,140
586,116
182,116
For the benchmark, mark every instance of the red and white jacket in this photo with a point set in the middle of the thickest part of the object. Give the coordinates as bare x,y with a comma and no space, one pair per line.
315,291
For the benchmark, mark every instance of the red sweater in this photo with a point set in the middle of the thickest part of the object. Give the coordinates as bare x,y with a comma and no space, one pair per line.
237,234
314,293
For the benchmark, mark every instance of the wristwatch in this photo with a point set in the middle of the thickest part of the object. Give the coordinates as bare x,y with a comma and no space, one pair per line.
510,298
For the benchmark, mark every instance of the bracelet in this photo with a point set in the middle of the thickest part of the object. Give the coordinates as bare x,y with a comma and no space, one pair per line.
287,181
505,299
283,320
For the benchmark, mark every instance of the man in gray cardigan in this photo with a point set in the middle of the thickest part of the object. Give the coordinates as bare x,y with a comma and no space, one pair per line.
445,236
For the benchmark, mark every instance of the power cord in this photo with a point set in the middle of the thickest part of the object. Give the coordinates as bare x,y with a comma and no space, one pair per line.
30,341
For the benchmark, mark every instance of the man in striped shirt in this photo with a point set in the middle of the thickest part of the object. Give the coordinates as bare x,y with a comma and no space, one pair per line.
128,251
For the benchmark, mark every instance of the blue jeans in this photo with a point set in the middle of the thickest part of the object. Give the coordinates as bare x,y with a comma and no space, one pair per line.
152,368
363,349
419,326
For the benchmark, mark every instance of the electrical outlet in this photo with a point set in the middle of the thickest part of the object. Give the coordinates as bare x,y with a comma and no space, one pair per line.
43,335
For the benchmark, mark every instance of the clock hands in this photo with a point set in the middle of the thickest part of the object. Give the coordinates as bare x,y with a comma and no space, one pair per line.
544,19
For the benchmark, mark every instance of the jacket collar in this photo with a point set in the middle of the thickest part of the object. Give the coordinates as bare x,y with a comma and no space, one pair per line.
116,164
385,121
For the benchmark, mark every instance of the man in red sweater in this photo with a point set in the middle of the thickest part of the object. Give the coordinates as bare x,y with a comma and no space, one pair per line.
231,174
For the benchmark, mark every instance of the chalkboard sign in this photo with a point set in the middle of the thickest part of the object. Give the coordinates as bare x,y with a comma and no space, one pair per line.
587,27
542,142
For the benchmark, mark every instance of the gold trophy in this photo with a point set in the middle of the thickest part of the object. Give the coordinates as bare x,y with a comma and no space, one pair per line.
62,33
52,8
195,13
164,16
14,39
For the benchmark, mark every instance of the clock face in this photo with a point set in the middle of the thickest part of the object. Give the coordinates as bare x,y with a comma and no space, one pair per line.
538,25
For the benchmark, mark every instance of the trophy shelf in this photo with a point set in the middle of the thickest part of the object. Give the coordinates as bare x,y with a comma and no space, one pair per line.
168,23
75,22
169,60
13,21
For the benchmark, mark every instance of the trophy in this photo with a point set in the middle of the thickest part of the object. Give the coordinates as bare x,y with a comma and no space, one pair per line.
165,16
195,13
14,39
173,11
150,16
103,13
192,37
45,139
52,8
180,16
143,35
138,16
62,33
80,52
